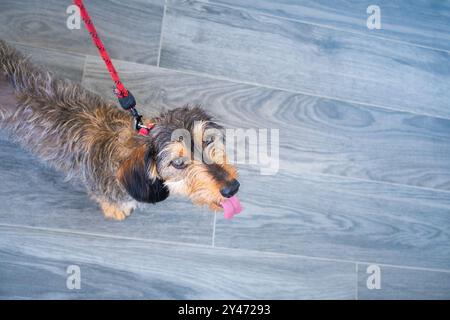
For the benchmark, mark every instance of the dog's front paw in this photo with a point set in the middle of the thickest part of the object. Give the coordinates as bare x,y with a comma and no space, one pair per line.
111,211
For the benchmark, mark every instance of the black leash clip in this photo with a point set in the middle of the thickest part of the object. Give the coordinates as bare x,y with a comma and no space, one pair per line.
128,103
138,123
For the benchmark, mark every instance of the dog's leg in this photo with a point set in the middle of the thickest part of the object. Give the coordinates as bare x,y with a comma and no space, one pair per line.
115,211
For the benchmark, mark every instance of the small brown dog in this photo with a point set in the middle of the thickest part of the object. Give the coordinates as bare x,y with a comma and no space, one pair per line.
94,141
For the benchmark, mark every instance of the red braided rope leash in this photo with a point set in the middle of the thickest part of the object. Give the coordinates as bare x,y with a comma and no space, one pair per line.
125,97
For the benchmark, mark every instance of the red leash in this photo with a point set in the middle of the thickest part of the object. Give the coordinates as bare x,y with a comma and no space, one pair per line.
126,99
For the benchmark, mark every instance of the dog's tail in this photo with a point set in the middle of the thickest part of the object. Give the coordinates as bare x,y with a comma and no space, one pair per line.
25,77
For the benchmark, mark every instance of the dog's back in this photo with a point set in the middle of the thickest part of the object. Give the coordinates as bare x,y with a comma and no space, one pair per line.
60,121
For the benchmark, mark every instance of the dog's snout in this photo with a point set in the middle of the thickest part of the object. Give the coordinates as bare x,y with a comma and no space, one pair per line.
230,189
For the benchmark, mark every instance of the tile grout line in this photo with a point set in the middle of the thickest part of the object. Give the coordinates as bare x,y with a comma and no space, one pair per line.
356,287
162,34
230,249
254,84
84,69
214,231
102,235
34,46
311,94
393,184
325,26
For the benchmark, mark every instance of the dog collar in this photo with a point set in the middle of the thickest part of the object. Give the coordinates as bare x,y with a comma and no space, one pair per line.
145,130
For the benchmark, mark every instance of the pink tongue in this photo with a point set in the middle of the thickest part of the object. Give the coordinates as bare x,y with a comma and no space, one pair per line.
231,207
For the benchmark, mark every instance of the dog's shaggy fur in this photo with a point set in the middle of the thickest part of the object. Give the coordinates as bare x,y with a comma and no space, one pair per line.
94,141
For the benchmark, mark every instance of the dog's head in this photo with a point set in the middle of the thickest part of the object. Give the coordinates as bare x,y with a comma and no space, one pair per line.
186,157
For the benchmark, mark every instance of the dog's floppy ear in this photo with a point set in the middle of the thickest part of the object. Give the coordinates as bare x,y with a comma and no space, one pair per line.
135,175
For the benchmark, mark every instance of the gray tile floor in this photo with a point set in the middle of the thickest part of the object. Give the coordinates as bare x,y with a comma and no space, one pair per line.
364,145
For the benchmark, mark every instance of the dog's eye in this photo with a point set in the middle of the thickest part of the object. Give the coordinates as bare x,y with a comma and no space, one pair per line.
209,140
179,163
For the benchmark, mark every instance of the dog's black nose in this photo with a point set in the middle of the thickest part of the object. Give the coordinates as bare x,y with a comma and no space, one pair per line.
230,189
